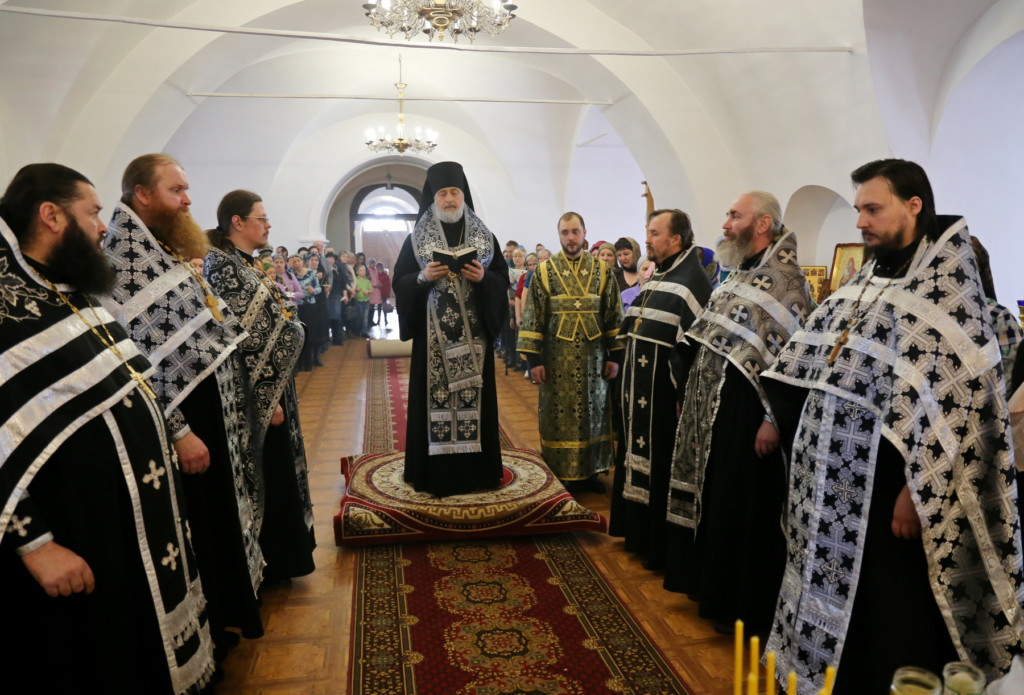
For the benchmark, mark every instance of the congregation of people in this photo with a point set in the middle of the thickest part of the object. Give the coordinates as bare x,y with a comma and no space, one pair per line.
335,295
835,471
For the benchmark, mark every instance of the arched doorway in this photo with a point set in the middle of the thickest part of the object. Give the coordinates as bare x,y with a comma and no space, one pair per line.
381,197
382,217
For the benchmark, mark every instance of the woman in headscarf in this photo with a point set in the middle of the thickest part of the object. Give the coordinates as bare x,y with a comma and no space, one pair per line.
627,252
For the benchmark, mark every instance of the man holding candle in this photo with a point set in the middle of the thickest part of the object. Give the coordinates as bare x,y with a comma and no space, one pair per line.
904,542
729,478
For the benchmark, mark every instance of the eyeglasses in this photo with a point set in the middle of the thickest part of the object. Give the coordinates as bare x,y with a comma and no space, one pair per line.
265,220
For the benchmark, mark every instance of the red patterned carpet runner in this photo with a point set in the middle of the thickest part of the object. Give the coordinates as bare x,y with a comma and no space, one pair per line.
522,616
526,616
387,391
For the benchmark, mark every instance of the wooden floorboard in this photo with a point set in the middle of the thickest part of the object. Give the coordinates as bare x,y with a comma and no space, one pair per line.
308,621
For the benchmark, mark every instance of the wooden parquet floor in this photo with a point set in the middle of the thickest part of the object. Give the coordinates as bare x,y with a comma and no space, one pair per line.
308,621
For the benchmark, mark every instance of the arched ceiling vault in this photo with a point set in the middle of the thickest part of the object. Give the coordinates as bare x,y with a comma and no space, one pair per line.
700,128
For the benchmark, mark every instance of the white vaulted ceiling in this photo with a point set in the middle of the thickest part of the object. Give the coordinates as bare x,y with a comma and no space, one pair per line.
699,128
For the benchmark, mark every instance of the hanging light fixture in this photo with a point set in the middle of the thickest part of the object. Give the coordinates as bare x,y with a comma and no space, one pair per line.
422,141
438,17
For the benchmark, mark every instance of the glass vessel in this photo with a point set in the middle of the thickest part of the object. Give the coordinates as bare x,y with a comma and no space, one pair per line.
911,680
961,678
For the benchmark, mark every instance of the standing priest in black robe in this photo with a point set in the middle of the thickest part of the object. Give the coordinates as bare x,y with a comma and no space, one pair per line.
729,479
264,364
451,444
653,380
100,590
903,535
189,335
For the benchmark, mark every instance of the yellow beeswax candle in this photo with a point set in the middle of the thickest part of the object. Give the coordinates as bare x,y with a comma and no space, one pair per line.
769,665
737,686
830,679
755,653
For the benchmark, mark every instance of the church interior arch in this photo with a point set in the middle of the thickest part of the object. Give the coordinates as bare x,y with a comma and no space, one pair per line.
820,218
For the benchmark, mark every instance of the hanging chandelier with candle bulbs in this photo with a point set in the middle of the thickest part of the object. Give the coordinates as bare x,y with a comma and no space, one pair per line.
440,17
422,142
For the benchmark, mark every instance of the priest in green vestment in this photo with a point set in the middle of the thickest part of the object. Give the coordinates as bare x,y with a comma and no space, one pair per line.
572,316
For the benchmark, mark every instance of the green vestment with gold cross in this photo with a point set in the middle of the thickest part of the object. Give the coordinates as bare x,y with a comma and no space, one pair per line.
572,315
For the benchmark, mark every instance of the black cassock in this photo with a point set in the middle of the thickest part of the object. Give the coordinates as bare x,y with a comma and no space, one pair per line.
742,500
450,474
109,639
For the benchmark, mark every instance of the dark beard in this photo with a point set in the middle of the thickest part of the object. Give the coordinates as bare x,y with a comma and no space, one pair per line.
77,261
178,230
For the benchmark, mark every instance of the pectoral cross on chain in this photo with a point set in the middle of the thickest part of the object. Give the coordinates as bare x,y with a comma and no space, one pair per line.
141,380
844,337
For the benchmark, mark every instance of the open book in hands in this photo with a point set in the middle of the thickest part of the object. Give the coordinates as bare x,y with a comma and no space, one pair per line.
455,260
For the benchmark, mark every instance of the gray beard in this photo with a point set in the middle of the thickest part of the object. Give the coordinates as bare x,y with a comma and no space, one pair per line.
449,217
732,252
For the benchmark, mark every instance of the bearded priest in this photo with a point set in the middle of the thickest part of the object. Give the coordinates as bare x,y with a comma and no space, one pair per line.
453,319
160,295
100,588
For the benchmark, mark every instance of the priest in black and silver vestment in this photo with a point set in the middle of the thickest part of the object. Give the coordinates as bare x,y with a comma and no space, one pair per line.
652,382
452,444
903,535
726,544
100,588
189,334
265,362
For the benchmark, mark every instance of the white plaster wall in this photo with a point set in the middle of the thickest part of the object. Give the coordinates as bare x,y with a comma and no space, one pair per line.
977,162
820,218
604,187
409,170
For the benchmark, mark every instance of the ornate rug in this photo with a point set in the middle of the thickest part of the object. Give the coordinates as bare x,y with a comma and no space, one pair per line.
525,616
379,507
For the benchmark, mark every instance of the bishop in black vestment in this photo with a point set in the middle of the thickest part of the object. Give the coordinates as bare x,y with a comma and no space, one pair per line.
452,444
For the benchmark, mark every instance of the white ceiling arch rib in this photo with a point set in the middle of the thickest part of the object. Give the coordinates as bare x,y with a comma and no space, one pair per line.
700,128
1000,23
106,109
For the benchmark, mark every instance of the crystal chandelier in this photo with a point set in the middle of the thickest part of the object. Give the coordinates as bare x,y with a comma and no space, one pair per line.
422,142
437,17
